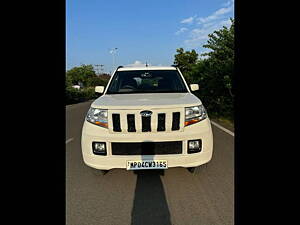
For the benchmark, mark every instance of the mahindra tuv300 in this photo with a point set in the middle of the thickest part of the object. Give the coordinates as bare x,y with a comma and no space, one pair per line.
147,118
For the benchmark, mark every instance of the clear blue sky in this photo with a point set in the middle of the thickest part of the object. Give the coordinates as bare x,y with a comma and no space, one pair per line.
141,30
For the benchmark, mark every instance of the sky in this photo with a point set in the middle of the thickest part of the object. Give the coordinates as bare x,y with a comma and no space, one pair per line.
142,31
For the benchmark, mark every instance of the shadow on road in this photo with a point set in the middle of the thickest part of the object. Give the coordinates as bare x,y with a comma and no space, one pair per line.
150,205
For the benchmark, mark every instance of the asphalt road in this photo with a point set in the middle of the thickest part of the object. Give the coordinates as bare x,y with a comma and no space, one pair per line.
156,197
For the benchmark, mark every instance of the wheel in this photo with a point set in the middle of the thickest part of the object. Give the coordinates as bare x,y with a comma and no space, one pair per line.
99,172
103,172
197,169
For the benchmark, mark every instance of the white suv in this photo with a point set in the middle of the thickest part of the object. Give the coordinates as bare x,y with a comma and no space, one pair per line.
147,118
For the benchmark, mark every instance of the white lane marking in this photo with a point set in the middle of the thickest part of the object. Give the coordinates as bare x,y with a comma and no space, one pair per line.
69,140
222,128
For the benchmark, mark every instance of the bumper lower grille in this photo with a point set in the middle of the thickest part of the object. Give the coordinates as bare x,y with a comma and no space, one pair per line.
147,148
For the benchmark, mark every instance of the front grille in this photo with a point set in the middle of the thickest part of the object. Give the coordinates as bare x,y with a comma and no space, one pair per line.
147,148
176,121
146,124
116,122
131,123
159,121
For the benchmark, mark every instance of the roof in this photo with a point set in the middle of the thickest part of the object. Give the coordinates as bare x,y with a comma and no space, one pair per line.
147,68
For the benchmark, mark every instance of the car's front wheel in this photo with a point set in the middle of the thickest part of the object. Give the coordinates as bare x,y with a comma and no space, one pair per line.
99,172
103,172
197,169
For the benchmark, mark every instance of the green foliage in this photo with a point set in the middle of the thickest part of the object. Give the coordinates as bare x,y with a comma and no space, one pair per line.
96,81
74,95
221,43
84,74
215,73
68,82
185,60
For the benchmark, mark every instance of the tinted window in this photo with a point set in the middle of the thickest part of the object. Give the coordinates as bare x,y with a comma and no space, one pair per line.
146,81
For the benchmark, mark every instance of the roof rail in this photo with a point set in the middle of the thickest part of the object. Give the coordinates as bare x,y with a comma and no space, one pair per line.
174,65
119,67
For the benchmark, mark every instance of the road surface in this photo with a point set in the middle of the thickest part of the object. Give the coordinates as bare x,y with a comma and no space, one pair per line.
154,197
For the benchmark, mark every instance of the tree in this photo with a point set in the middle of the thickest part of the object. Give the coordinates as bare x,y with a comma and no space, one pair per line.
84,74
222,56
96,81
213,74
185,60
68,81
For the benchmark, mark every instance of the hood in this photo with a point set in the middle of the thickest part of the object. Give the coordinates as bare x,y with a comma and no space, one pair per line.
146,101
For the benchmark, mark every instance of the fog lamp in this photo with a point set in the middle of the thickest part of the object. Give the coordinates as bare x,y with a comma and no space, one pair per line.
194,146
99,148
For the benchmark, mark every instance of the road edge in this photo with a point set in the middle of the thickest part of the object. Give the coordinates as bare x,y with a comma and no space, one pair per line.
223,128
79,103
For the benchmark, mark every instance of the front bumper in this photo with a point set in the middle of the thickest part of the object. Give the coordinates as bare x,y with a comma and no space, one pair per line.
201,130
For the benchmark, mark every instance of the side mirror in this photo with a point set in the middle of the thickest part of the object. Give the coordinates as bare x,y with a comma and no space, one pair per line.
99,89
194,87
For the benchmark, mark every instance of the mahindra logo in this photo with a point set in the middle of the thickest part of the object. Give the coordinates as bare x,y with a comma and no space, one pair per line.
146,113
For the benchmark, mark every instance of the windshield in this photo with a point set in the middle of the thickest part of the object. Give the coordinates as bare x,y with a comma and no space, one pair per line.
146,81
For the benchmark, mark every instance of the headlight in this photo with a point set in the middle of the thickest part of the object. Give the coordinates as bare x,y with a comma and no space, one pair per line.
194,114
98,117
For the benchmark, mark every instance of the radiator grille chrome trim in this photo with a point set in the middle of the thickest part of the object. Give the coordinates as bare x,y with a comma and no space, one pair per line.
161,120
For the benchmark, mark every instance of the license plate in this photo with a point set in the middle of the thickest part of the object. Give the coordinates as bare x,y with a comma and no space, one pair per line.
147,164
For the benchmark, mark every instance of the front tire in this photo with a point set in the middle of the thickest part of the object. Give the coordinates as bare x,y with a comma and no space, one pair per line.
197,169
99,172
103,172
